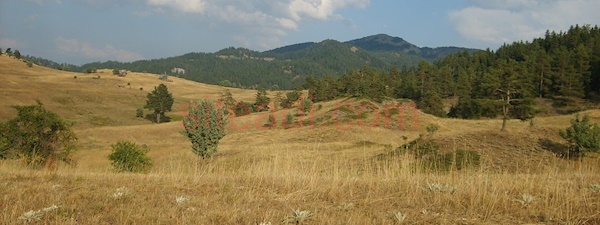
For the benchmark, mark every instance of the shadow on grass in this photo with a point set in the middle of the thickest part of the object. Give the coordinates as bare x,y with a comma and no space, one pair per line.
558,149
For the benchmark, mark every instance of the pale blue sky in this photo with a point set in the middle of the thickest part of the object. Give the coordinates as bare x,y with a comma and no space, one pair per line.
81,31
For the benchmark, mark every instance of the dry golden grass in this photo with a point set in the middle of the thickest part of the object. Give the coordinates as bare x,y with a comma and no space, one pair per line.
262,174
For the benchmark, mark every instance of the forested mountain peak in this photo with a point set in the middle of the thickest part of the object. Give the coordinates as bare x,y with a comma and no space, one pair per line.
291,48
384,42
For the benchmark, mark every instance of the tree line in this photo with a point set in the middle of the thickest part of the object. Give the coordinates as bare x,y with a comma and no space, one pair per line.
487,83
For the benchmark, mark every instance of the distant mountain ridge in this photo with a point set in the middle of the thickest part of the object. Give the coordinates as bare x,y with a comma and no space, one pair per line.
386,43
287,66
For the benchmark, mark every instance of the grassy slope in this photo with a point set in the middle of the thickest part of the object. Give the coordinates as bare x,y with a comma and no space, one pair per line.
263,174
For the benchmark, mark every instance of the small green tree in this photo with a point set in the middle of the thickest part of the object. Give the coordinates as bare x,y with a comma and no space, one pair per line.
9,52
275,87
159,100
582,137
116,72
289,120
262,101
126,156
205,126
291,97
306,105
17,54
226,83
37,136
227,99
277,99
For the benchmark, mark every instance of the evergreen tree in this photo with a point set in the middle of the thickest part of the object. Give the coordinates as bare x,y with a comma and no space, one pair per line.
291,98
582,137
432,103
17,54
581,61
205,127
541,62
568,82
159,100
463,84
227,99
422,74
511,87
262,101
409,88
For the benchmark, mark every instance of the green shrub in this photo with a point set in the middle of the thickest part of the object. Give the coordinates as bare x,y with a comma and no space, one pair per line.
582,137
271,122
242,108
437,162
432,128
128,157
289,120
139,113
466,159
37,136
458,160
306,105
90,70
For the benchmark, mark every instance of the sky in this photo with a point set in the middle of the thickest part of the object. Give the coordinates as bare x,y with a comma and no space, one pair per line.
83,31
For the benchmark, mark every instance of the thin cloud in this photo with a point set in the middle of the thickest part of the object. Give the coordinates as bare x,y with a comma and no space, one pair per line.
85,49
43,2
10,43
259,23
323,10
505,21
188,6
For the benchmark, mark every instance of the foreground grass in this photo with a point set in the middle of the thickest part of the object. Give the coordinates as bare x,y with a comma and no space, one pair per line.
269,191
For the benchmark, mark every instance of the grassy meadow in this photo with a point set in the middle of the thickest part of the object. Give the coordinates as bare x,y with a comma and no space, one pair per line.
335,163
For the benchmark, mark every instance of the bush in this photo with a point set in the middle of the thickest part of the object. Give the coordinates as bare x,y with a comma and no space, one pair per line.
37,136
90,70
432,128
582,137
139,113
128,157
289,120
271,122
306,105
242,108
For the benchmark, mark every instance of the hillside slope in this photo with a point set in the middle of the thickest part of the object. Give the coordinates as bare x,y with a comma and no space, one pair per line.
104,113
335,163
88,101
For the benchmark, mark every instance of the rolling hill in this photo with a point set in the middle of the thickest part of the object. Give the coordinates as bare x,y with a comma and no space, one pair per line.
337,164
